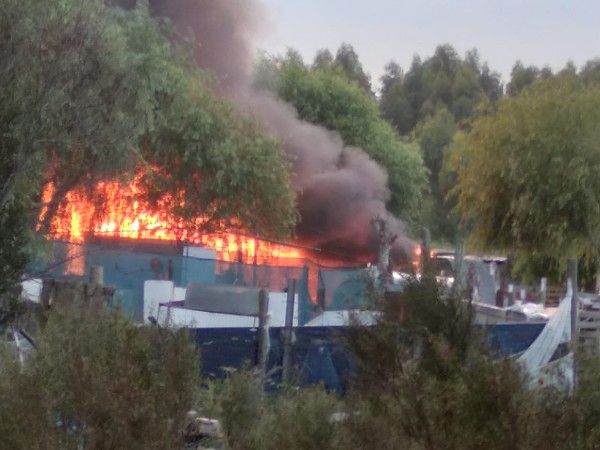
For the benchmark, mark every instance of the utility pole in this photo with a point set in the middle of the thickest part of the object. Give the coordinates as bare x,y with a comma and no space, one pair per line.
289,322
572,278
385,240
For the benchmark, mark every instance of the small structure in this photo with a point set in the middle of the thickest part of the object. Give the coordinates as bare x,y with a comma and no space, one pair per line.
212,306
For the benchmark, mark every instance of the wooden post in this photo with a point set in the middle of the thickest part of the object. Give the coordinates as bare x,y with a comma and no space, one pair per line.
459,256
289,323
511,294
426,256
263,332
543,289
572,277
97,275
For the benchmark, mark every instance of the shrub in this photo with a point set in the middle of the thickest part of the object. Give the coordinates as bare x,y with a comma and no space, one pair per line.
99,380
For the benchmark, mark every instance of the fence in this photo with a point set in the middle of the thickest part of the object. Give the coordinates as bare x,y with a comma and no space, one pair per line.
319,354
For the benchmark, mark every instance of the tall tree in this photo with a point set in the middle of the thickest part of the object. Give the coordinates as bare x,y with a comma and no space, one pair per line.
348,59
520,77
395,105
72,98
527,176
435,135
116,86
435,98
445,80
323,59
590,72
392,76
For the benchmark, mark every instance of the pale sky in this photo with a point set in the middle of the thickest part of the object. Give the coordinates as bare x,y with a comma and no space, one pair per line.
538,32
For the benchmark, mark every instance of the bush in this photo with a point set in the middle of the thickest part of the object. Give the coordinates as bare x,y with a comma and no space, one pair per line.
292,419
300,419
429,382
99,380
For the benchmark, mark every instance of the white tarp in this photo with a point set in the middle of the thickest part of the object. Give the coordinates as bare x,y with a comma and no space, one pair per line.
533,311
556,331
155,293
343,318
181,317
32,289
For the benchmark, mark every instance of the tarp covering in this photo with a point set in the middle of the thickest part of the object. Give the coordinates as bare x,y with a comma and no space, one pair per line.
556,331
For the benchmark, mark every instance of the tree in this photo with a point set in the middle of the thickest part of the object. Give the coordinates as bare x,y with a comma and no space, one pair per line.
435,135
392,76
322,60
527,176
72,103
444,79
491,84
434,99
216,170
71,108
13,260
466,93
590,72
347,58
520,77
397,109
325,97
128,102
92,93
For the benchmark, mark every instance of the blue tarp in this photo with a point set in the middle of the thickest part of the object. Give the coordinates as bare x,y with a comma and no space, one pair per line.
318,353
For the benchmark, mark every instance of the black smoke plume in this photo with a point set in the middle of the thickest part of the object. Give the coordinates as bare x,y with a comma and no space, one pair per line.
340,189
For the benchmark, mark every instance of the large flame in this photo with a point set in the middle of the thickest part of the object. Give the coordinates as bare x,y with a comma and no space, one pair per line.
121,214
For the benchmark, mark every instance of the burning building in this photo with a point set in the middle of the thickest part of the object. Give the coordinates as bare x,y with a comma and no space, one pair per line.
340,189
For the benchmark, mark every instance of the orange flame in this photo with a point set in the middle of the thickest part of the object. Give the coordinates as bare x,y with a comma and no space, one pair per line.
121,215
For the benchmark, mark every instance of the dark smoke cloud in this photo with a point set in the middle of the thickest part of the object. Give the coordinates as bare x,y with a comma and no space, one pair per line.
340,189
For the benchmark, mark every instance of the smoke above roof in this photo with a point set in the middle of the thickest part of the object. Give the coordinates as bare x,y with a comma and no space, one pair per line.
340,189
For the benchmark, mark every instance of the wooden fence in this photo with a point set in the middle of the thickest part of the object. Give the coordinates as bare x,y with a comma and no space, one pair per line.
589,331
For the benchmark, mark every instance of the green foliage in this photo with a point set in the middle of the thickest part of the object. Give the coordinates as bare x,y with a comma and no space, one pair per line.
587,396
520,77
433,100
98,379
299,419
71,96
590,72
205,160
326,97
438,387
201,158
14,256
237,404
527,176
92,93
435,135
293,419
347,58
425,381
443,80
